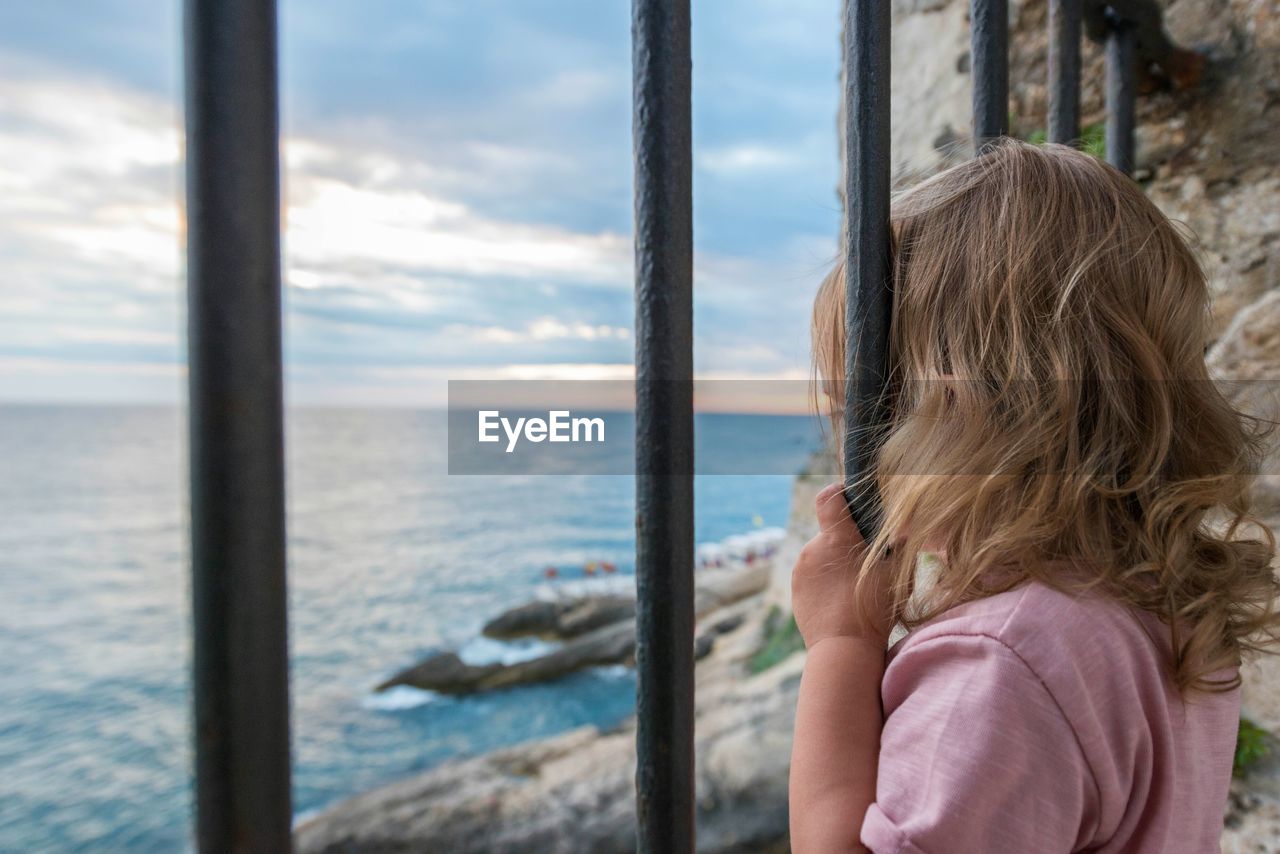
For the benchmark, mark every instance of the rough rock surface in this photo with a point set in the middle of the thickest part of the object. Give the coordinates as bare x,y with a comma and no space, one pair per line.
575,792
1206,155
447,673
1246,361
560,620
1252,823
613,642
802,525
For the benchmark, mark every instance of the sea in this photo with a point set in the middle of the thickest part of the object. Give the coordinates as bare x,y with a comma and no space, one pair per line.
390,559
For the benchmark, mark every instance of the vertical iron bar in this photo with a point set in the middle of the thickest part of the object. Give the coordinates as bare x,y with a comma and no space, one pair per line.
240,672
662,67
869,293
989,59
1121,95
1064,71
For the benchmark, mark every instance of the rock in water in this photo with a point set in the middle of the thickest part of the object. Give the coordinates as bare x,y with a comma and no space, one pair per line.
591,614
444,672
537,619
449,674
600,630
560,620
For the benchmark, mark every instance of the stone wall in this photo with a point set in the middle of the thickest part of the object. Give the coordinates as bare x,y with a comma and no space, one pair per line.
1206,155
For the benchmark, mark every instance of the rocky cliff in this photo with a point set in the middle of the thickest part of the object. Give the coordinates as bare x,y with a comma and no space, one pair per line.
575,792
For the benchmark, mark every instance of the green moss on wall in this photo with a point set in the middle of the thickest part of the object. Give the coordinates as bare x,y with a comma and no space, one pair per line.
1092,139
1251,745
781,641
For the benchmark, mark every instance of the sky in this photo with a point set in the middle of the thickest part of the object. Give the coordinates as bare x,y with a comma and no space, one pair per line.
457,177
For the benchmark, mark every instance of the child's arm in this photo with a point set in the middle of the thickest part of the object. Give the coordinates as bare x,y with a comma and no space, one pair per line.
838,718
837,744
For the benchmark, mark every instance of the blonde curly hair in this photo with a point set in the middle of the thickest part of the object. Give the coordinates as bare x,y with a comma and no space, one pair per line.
1052,417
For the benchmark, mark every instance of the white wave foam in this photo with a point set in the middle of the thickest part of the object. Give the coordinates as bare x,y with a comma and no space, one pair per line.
306,815
482,650
399,698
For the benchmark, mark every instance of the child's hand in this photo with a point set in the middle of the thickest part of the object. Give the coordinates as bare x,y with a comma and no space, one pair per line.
822,582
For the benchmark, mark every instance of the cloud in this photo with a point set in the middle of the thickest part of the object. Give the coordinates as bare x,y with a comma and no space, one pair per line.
541,329
747,157
457,190
90,206
89,231
332,224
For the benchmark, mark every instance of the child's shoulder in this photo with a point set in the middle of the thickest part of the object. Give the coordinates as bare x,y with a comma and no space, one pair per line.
1001,688
1063,637
1030,610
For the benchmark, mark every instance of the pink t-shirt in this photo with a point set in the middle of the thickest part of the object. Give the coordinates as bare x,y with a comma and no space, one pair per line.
1035,721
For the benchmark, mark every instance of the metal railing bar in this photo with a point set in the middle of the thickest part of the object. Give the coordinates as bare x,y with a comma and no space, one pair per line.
1064,71
989,61
240,666
869,292
1153,47
1121,95
662,64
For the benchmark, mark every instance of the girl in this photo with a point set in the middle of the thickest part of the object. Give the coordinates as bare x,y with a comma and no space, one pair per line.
1069,679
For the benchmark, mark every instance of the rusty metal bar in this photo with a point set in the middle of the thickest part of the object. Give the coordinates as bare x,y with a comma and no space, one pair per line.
1121,95
869,293
989,60
1064,71
662,65
240,667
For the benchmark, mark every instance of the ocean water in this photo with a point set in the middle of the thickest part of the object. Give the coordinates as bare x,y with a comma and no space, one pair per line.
390,559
